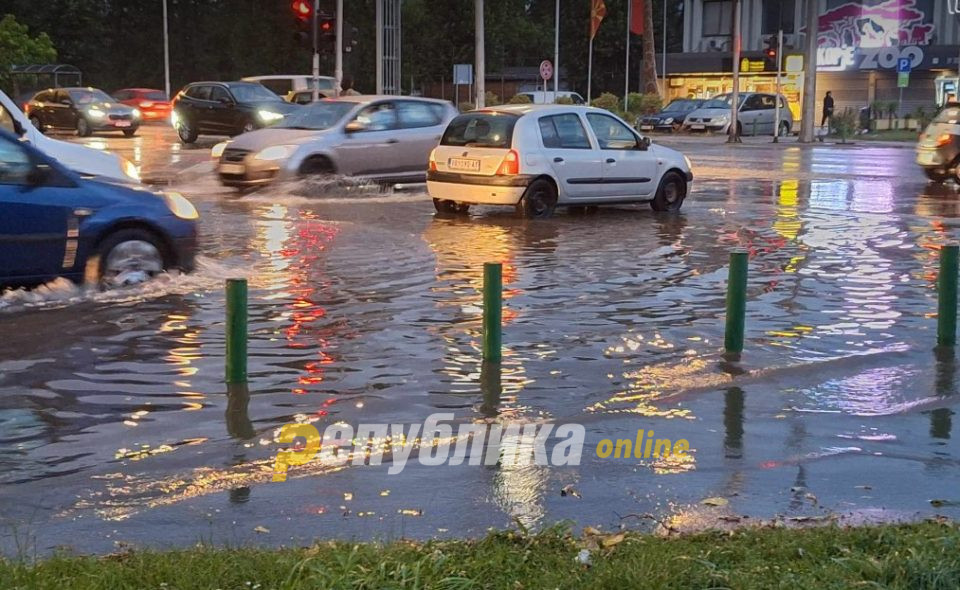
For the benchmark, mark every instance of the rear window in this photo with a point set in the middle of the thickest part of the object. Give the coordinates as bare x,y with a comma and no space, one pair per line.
490,130
155,96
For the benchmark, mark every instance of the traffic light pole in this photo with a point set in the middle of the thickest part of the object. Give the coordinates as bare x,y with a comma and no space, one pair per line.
338,68
776,128
316,50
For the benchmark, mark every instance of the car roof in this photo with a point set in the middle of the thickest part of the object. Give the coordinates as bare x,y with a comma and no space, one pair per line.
282,77
523,109
365,98
141,89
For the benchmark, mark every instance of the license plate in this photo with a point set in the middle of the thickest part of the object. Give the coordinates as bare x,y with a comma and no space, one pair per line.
646,127
121,123
231,168
926,158
698,126
466,164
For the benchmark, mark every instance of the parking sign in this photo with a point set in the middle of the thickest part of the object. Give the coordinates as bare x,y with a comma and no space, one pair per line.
903,65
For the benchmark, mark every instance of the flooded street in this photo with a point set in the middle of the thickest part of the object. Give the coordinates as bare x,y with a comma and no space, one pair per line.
116,426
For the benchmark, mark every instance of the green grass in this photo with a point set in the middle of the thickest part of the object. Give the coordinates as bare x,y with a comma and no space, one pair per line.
924,555
888,135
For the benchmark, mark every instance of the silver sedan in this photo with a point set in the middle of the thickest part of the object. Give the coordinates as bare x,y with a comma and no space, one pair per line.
385,139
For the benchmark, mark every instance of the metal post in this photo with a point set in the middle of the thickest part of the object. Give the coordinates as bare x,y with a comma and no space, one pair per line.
556,52
236,331
947,296
492,310
379,19
166,50
663,54
316,51
736,302
733,135
481,73
338,67
590,72
808,122
776,128
626,70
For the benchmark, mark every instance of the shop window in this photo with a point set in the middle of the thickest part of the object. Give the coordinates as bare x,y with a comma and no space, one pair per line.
717,18
778,14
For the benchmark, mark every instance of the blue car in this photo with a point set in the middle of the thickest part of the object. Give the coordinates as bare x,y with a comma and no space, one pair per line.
55,223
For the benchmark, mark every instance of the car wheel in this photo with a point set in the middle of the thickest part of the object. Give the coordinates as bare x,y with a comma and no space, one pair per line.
935,175
784,129
539,200
317,166
83,128
130,132
670,194
130,257
186,131
36,122
448,207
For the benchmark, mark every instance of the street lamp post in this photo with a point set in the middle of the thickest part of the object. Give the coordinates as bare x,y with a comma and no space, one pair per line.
166,51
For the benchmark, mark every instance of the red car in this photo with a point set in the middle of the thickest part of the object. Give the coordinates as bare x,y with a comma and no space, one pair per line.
153,104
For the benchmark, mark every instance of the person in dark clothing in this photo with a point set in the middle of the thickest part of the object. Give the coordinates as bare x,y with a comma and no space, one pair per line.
827,108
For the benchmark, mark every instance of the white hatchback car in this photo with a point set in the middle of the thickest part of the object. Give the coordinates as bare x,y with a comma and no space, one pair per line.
538,157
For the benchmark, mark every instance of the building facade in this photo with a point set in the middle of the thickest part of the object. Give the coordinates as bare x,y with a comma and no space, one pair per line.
860,45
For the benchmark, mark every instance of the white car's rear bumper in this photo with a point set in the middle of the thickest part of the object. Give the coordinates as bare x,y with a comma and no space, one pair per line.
475,189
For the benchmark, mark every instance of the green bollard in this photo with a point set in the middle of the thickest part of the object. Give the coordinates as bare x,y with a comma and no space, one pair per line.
947,296
736,302
236,361
492,311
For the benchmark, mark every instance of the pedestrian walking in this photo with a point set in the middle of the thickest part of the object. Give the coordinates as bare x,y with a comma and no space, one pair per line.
827,114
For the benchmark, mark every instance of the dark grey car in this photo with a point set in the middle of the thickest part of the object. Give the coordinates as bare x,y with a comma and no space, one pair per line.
84,110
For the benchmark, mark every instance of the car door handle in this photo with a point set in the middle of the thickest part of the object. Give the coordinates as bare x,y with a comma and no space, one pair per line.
611,161
558,160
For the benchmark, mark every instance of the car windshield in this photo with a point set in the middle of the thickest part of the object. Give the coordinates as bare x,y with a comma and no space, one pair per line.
949,115
678,106
318,116
253,93
722,102
89,96
481,129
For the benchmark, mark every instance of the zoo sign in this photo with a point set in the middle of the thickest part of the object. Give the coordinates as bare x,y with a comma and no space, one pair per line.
838,59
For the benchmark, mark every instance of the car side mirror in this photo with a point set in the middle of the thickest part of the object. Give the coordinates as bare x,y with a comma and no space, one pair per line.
18,128
67,102
225,100
644,144
354,126
38,175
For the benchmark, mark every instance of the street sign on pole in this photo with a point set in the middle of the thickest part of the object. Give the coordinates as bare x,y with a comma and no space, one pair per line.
546,70
903,72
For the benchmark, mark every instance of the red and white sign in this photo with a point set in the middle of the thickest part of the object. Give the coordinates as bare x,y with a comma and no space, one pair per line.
546,70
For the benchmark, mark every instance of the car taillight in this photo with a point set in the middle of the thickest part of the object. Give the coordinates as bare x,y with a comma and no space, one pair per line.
146,104
943,139
433,160
510,165
26,108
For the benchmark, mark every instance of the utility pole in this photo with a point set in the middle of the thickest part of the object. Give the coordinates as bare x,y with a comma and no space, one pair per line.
481,73
810,73
733,132
626,67
556,51
338,68
166,51
379,21
776,126
316,52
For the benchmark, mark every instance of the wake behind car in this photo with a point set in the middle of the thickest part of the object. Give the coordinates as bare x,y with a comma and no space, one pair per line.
671,117
84,110
938,150
54,223
538,157
226,108
384,139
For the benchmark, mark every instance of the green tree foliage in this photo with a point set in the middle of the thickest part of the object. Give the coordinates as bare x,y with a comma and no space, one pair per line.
643,104
520,99
17,47
845,123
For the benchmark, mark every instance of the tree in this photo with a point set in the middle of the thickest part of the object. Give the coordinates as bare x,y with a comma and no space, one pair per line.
649,52
17,47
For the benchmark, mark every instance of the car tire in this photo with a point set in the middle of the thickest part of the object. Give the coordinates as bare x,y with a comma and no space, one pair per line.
670,194
934,175
129,257
186,131
83,128
784,129
447,207
130,132
539,200
317,166
36,122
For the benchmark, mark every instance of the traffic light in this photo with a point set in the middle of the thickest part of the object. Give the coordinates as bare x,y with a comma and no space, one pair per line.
303,13
770,53
302,10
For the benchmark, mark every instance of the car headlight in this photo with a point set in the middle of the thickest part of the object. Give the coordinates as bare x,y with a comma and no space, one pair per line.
275,152
668,120
136,113
180,206
217,150
722,119
130,169
96,113
174,118
268,116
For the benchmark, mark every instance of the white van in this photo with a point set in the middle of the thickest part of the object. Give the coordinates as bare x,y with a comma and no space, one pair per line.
285,86
79,158
550,97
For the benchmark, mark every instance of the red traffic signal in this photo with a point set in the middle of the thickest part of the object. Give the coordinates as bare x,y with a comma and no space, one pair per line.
771,53
302,9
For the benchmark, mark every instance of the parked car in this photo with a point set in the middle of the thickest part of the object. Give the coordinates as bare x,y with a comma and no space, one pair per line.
538,157
755,116
154,105
55,223
225,108
385,139
540,97
84,160
671,117
84,110
285,86
938,149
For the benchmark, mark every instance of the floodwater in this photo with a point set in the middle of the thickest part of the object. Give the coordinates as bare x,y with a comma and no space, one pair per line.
116,426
